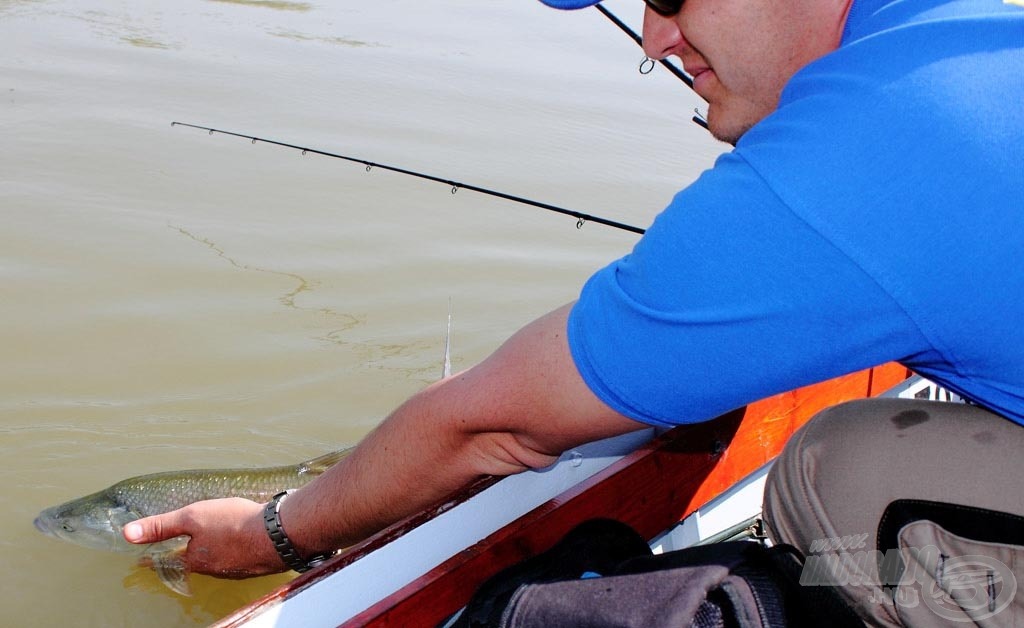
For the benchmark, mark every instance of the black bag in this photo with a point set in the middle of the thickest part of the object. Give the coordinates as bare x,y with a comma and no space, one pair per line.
603,574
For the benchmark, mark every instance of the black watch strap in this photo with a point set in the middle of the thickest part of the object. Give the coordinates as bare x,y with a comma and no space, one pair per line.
283,545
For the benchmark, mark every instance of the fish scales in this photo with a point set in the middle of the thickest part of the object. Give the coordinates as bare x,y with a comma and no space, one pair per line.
163,492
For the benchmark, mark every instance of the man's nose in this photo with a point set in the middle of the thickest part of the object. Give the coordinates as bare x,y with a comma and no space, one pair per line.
661,36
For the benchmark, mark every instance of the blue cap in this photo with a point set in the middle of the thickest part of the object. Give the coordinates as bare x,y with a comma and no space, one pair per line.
570,4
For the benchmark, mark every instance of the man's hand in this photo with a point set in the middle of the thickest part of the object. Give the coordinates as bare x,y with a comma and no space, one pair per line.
228,539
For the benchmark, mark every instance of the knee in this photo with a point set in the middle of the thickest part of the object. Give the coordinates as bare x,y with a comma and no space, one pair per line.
838,441
846,455
802,479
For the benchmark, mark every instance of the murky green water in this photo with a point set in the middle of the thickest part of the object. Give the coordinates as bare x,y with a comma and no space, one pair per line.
170,299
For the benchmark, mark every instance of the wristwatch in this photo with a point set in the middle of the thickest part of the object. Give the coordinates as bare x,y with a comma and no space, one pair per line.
283,545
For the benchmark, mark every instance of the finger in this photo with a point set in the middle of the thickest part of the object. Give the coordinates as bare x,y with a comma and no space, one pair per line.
154,529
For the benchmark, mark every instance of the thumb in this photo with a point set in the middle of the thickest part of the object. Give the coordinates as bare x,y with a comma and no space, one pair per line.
153,529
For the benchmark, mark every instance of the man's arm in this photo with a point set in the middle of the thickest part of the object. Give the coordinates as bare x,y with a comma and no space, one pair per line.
517,410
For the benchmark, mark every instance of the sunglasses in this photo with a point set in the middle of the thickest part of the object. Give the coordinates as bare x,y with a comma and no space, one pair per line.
668,8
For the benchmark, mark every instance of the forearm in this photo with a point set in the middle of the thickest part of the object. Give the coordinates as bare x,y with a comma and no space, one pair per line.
412,460
517,410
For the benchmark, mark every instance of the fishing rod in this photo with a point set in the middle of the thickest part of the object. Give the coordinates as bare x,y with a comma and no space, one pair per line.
580,217
679,74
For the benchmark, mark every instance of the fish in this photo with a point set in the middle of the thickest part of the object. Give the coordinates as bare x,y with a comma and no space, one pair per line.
96,521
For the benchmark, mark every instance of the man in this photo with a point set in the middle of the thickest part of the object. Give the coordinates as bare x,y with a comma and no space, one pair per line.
871,211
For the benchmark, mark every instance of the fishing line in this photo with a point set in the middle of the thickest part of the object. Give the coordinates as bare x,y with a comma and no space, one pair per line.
580,217
647,65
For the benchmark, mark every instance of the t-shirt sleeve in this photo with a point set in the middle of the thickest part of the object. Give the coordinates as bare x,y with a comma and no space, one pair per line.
728,298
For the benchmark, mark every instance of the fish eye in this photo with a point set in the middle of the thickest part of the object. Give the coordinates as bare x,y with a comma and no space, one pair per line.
67,527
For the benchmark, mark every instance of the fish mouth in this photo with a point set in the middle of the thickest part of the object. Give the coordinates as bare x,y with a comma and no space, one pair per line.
42,526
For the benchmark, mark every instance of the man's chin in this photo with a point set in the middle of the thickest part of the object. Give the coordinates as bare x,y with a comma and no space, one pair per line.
729,124
723,131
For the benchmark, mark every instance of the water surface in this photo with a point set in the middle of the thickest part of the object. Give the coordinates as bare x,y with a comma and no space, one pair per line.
173,300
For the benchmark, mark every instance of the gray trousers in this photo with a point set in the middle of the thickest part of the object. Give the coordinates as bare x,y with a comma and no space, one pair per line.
864,491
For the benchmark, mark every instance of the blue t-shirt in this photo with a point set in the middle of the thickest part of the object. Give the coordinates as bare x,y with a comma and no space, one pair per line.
877,215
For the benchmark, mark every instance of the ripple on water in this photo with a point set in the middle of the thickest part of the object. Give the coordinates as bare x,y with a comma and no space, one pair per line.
279,5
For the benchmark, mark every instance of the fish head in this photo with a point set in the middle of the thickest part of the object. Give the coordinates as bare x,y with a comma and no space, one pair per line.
94,521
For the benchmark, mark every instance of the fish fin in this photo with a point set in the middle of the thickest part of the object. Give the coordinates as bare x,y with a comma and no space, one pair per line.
446,370
170,568
316,466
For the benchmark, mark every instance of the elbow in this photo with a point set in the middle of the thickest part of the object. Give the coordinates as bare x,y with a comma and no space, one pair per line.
507,453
